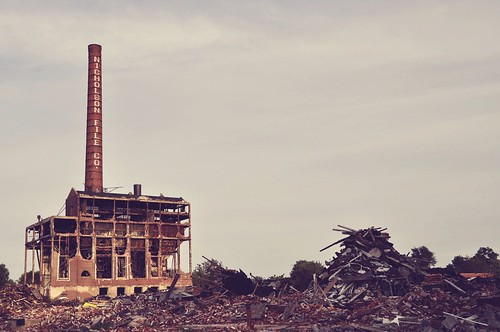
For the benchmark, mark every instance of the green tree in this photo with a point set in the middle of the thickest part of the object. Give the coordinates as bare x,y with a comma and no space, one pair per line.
424,257
277,277
302,272
4,275
484,261
487,253
206,273
28,278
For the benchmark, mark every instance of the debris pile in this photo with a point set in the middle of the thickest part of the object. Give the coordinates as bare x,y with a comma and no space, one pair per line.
431,311
368,266
15,299
368,286
379,285
234,281
237,282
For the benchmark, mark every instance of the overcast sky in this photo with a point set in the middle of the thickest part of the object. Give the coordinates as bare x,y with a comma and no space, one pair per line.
277,120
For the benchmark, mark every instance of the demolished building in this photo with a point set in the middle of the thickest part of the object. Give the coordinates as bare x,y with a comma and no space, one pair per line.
367,286
108,243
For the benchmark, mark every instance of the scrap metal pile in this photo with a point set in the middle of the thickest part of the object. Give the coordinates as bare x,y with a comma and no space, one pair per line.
368,266
368,286
370,277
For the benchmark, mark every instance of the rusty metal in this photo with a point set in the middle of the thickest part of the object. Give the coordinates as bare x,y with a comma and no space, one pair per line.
93,159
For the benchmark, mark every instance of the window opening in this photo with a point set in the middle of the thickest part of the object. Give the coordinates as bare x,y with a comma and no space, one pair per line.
138,230
169,230
168,247
154,247
165,267
103,267
138,257
103,209
138,264
64,225
121,267
86,247
120,229
153,230
120,246
154,266
85,227
63,267
104,228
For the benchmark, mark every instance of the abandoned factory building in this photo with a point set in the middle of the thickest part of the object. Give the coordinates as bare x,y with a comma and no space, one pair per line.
108,243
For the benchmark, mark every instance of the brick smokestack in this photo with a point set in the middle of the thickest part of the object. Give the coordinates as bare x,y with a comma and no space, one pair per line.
93,156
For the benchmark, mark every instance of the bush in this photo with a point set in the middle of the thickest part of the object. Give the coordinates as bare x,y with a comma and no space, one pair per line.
28,278
424,257
4,275
205,274
302,272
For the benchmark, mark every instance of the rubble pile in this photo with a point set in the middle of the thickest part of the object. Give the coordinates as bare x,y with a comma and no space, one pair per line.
142,312
15,299
380,285
431,311
368,266
428,310
368,286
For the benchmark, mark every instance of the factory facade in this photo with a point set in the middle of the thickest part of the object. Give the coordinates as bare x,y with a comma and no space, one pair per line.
108,243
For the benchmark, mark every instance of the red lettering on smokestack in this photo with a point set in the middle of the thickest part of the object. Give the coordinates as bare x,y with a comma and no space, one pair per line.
93,157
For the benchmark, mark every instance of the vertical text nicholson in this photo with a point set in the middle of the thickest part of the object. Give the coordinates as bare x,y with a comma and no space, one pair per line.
93,160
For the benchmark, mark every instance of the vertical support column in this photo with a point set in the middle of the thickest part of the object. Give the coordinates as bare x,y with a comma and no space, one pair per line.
25,255
54,266
178,255
93,158
189,239
41,270
177,241
33,266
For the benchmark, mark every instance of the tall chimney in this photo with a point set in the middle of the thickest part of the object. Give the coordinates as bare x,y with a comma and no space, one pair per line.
93,157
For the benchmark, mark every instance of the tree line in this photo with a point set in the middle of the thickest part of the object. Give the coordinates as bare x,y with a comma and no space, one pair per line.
485,260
